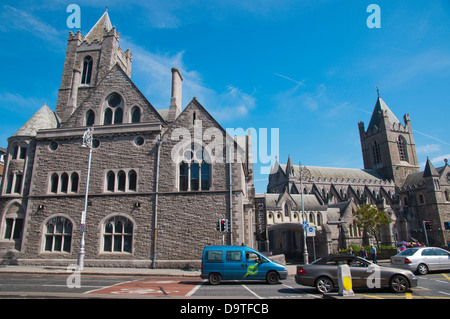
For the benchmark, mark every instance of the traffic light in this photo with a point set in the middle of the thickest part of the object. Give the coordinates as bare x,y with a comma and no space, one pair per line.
427,225
222,225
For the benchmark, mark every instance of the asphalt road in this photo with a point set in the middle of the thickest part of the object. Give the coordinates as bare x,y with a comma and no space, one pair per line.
431,286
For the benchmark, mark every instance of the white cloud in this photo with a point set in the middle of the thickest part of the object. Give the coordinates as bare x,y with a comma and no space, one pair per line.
152,74
428,148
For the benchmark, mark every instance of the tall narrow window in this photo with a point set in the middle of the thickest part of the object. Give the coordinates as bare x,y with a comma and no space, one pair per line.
376,152
87,70
135,115
286,210
121,181
110,181
184,172
206,176
74,183
54,180
108,117
90,118
132,180
64,182
118,116
194,176
402,148
10,183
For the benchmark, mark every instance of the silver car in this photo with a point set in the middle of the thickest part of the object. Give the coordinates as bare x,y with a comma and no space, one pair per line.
422,259
322,274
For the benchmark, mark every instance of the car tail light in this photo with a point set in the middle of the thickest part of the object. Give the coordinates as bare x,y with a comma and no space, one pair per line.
300,270
407,261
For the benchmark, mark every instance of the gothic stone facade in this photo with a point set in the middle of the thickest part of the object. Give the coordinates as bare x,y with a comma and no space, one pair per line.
146,206
391,180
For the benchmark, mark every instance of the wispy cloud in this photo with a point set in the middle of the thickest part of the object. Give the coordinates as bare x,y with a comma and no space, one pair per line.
151,72
428,148
16,19
432,137
19,103
302,83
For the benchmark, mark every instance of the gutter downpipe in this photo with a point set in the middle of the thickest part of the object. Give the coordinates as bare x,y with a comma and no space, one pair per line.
155,213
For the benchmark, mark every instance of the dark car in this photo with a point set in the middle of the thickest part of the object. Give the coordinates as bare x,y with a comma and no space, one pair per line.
322,274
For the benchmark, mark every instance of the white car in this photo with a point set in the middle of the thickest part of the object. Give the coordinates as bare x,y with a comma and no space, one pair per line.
422,259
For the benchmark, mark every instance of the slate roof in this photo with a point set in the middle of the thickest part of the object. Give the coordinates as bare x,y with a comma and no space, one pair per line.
44,118
381,106
336,173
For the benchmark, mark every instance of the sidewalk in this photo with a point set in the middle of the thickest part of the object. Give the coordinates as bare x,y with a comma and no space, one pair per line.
110,271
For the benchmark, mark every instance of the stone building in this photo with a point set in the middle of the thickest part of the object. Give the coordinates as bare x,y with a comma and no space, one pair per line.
391,180
159,179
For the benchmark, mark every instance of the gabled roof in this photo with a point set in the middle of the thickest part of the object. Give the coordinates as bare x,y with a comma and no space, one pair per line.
44,118
98,30
381,106
429,170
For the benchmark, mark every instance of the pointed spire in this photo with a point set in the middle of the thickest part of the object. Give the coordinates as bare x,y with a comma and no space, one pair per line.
381,108
289,167
98,30
429,170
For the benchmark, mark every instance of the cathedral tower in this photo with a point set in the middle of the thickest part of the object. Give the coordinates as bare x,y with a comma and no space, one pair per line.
88,59
388,145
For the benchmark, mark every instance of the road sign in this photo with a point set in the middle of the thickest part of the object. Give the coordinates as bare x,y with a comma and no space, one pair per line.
304,225
311,231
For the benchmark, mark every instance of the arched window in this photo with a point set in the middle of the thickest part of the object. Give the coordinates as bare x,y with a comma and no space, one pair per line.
135,115
206,176
376,150
121,181
319,219
286,210
64,182
58,235
194,170
118,235
421,199
132,180
113,109
90,118
184,173
311,218
87,70
110,181
74,183
402,148
108,117
54,180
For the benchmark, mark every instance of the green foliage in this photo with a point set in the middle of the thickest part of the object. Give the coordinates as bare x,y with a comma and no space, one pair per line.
370,219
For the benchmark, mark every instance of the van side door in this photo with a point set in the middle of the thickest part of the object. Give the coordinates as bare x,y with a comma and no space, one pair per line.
234,265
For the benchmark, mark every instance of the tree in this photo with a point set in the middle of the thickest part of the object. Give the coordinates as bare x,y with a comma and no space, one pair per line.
370,219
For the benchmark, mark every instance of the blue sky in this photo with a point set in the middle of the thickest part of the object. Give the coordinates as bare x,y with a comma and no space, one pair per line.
308,68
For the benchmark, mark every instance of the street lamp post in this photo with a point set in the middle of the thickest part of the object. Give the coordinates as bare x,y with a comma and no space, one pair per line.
87,143
305,247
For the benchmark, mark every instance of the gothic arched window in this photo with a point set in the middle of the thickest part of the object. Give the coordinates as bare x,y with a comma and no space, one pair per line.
87,70
90,118
118,235
194,170
376,150
402,148
135,115
113,109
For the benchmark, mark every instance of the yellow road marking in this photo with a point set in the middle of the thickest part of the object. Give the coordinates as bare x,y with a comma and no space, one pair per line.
446,276
408,295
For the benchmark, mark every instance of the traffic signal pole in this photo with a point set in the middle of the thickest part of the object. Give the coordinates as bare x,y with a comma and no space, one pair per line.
425,231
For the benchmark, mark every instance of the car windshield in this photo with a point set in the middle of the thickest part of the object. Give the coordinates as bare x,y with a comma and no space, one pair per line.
408,252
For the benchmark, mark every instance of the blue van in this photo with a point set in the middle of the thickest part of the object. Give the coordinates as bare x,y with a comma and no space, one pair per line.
239,263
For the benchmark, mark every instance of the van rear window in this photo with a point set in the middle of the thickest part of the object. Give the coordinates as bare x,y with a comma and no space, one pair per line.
213,256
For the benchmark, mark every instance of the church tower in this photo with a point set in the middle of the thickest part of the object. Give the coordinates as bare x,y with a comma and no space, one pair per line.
388,145
88,59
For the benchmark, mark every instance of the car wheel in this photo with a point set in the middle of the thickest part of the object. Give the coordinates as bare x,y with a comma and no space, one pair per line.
399,284
214,278
324,285
272,278
422,269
